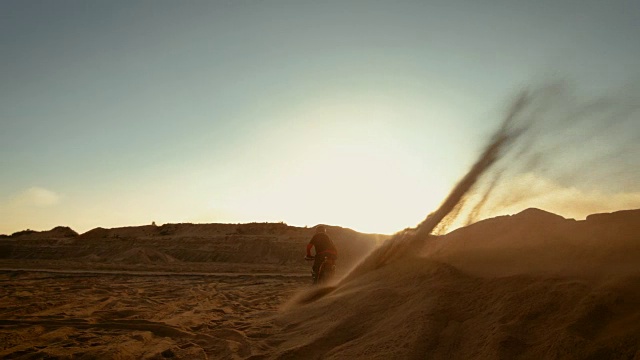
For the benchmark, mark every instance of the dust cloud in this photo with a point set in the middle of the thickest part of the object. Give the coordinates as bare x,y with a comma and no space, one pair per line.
550,131
530,285
568,140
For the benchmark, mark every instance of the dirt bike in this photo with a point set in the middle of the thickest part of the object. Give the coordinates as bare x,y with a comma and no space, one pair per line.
326,271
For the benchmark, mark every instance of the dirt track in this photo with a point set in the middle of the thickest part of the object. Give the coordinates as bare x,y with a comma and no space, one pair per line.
89,314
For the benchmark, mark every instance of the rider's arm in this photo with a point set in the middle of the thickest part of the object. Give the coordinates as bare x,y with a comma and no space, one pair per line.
309,246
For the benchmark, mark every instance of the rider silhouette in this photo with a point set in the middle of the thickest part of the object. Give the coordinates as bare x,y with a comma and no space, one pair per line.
324,247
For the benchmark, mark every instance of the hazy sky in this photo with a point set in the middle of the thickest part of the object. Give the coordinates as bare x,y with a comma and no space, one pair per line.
354,113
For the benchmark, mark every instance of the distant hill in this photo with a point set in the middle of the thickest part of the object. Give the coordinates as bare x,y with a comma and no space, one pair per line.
530,241
55,233
536,240
183,244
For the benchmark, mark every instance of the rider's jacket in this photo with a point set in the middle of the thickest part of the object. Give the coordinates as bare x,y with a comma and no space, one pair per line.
323,245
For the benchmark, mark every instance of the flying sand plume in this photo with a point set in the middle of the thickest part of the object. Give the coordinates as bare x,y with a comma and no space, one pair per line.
406,240
540,126
589,144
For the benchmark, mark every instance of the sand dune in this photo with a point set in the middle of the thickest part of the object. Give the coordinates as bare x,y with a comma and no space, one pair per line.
418,308
495,290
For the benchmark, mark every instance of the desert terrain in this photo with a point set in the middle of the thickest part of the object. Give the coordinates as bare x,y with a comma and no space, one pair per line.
134,316
494,143
531,285
173,291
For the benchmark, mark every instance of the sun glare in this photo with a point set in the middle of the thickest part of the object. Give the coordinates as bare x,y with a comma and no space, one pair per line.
345,165
366,189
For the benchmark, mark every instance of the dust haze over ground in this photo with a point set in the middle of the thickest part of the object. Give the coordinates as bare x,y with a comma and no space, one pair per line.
531,285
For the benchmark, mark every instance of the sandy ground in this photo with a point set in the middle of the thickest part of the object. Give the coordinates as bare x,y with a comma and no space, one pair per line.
61,315
184,291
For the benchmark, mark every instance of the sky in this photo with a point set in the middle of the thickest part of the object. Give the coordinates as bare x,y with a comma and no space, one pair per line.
361,114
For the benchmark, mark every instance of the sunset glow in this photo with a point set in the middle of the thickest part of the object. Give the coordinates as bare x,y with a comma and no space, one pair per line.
113,115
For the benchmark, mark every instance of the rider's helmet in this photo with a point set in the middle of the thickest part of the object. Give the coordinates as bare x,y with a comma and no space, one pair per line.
321,229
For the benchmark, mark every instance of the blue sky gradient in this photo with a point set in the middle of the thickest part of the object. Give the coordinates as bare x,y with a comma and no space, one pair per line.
211,111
